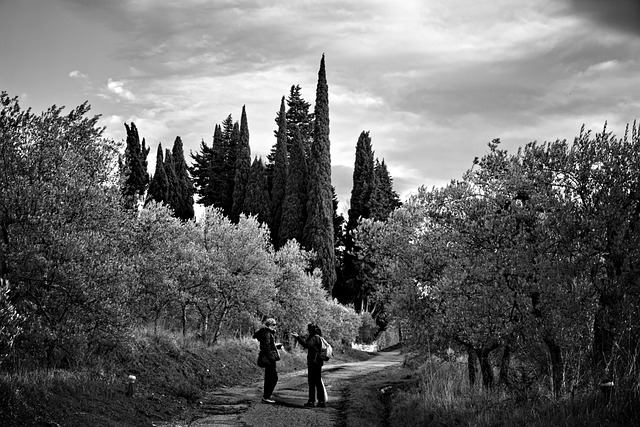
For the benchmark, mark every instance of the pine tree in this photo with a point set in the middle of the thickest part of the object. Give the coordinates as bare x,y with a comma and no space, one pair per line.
384,199
297,115
208,171
200,171
184,186
280,171
158,185
318,231
256,201
135,176
242,169
294,208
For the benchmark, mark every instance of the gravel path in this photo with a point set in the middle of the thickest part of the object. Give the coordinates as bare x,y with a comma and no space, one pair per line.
241,406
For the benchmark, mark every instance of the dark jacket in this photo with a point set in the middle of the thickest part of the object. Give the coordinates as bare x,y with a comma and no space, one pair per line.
267,340
313,344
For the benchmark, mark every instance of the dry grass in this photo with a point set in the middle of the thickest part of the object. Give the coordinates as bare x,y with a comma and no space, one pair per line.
172,373
444,397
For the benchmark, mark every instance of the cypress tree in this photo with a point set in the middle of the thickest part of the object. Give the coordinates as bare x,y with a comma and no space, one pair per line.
318,231
280,171
158,185
242,169
256,201
172,182
231,155
217,172
184,186
339,245
363,179
294,208
135,176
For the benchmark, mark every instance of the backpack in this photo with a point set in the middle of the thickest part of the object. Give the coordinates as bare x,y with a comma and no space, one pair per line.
326,352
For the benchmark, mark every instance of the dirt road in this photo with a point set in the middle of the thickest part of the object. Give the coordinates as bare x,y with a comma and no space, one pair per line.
241,406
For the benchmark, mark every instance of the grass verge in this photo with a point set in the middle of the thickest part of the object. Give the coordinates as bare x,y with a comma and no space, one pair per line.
172,374
442,396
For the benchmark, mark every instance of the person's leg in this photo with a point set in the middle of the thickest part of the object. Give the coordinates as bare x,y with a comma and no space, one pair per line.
320,387
270,379
312,384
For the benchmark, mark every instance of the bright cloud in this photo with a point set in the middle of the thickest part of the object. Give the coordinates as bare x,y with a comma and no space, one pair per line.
117,88
75,74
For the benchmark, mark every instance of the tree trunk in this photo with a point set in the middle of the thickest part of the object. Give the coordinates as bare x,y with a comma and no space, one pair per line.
505,364
557,374
205,326
603,334
471,365
218,325
184,320
485,368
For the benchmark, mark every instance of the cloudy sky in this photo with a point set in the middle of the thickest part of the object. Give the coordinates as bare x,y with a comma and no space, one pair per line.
433,81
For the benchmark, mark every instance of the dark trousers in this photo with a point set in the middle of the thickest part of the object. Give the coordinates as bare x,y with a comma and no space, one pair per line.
315,383
270,379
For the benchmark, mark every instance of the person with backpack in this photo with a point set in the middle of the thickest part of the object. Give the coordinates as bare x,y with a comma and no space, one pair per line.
267,358
314,344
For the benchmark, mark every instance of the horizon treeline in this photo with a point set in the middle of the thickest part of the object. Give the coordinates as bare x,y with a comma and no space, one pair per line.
290,191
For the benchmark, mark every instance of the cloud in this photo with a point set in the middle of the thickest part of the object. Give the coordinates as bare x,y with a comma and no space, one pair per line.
622,15
117,87
75,74
432,81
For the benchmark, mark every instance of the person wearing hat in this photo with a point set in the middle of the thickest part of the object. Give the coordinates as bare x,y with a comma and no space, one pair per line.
268,357
314,365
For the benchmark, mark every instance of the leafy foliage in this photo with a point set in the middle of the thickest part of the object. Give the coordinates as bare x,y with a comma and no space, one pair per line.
525,254
64,249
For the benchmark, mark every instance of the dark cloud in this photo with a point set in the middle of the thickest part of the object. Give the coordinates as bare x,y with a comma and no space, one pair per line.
623,15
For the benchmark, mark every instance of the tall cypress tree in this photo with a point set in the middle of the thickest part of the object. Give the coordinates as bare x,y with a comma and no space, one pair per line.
184,186
280,171
363,180
242,169
294,208
231,155
218,181
318,231
135,176
172,182
256,201
158,185
348,290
